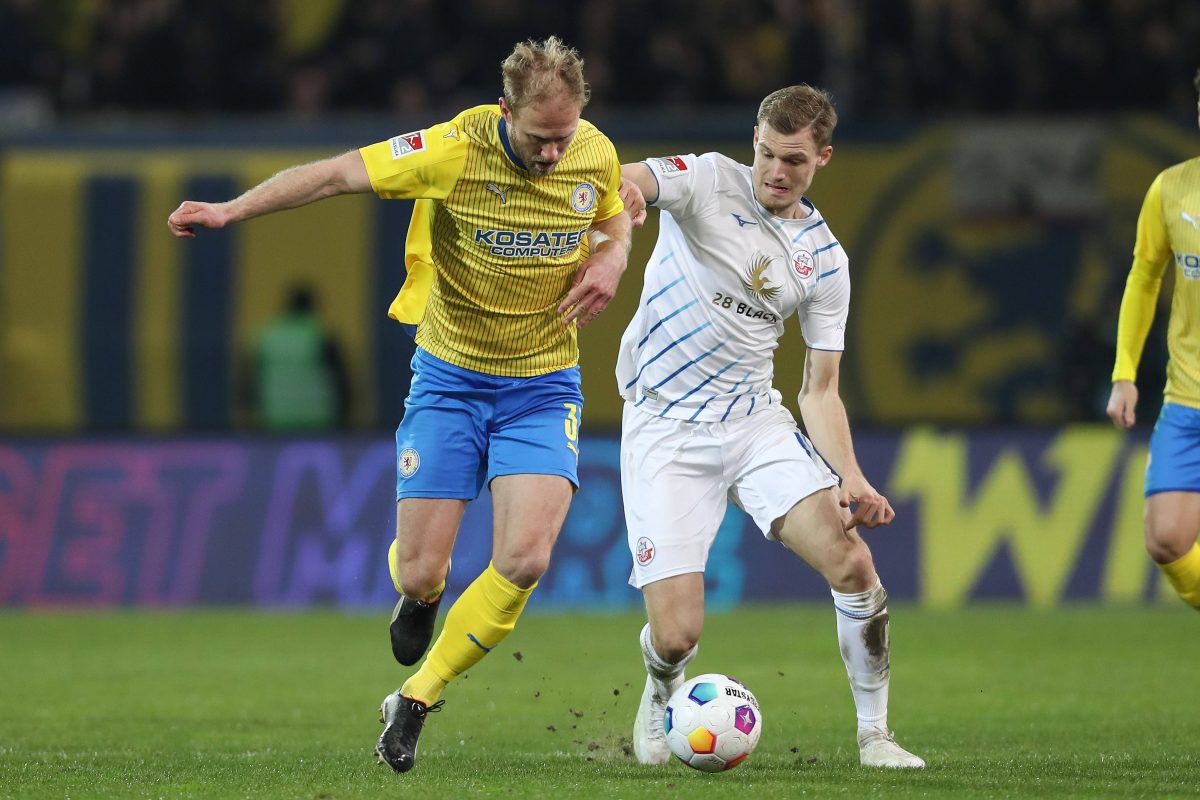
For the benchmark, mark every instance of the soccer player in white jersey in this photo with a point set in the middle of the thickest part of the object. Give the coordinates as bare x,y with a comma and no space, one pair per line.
739,250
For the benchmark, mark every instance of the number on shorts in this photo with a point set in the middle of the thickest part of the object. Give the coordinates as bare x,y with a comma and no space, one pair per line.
571,427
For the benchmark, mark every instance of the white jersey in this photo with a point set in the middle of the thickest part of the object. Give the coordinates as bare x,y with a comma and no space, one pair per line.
724,275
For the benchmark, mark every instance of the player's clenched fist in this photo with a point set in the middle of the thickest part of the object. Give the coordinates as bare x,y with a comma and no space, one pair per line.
190,213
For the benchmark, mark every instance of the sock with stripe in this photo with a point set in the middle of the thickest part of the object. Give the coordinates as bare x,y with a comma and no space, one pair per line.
862,626
479,620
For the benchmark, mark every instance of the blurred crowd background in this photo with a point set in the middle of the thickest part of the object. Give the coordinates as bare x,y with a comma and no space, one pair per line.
990,163
307,57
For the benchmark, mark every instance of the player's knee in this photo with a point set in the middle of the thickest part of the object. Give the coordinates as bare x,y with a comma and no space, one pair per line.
854,571
523,569
1167,542
419,579
674,645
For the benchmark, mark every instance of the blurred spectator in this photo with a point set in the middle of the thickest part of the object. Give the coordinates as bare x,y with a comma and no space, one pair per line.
891,60
298,381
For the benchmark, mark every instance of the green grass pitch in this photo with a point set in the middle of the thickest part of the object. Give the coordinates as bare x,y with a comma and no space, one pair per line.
1003,702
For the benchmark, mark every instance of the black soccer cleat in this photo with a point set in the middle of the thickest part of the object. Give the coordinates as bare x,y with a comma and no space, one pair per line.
412,628
402,719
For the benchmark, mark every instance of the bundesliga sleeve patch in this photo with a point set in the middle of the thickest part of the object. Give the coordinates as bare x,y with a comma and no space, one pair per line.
672,166
406,144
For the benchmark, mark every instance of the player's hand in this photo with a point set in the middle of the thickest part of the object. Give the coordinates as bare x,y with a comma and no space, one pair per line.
872,509
595,285
635,204
183,220
1122,404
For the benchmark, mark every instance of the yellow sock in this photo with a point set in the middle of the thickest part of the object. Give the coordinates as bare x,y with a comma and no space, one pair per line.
478,621
1184,575
394,569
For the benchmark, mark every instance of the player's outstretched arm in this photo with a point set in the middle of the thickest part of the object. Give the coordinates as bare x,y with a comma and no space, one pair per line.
640,176
827,425
291,188
598,277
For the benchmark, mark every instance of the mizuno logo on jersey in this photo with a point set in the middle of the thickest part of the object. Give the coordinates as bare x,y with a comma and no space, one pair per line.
672,166
743,222
525,244
406,144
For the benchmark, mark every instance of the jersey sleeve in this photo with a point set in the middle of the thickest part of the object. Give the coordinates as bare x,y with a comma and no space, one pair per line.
823,317
424,163
684,183
1151,254
610,191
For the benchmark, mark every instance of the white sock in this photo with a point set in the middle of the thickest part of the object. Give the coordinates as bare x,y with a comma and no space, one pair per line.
665,675
862,626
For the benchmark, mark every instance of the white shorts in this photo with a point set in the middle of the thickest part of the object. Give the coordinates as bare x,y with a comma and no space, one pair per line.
676,477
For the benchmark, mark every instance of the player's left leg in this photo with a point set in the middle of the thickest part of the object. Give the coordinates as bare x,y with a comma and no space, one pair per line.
813,529
776,465
669,641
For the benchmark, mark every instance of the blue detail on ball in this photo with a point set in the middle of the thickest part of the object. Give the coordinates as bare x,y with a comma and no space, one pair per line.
667,721
703,693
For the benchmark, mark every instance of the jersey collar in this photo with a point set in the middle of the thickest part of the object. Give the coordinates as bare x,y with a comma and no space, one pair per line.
508,151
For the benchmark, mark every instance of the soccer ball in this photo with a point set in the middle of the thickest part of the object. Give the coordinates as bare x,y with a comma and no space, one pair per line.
712,723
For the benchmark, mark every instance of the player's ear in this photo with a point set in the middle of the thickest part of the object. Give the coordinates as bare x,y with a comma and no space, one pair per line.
826,154
505,111
754,140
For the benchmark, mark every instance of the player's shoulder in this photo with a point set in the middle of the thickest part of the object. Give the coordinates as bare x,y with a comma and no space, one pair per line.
1182,170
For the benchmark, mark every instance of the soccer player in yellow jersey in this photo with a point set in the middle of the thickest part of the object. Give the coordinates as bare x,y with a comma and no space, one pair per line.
1168,232
498,286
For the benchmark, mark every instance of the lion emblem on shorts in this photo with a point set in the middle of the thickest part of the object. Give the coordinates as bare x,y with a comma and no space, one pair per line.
409,462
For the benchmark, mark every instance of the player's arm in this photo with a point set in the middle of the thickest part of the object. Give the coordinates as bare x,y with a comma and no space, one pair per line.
1151,254
825,419
641,176
598,277
297,186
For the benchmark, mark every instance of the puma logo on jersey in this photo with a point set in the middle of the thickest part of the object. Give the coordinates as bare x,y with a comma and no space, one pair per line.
1186,217
743,222
451,134
496,190
756,281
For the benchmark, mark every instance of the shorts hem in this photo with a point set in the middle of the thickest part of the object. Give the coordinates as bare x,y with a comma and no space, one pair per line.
562,473
434,494
671,573
1190,490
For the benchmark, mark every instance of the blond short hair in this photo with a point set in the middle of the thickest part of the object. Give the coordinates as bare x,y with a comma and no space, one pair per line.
795,108
537,71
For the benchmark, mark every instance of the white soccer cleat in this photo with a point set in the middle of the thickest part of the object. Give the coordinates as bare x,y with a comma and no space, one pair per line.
649,738
877,748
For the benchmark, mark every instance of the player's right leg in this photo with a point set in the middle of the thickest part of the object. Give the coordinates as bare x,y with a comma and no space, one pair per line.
440,448
669,641
674,496
1173,499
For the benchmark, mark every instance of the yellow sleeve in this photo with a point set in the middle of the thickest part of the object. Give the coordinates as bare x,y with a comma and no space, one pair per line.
423,163
610,198
410,302
1151,254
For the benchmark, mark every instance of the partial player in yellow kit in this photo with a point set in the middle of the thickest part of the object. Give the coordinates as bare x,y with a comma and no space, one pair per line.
1168,232
510,200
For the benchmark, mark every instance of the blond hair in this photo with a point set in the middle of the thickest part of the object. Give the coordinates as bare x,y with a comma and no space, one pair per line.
795,108
537,71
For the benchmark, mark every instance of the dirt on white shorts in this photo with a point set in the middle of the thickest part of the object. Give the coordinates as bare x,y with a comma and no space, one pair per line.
676,477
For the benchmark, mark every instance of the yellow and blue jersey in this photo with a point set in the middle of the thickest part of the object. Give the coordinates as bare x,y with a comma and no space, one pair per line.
1168,231
492,249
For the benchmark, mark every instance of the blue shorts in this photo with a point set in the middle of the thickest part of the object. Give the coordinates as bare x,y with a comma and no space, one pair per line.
463,427
1174,464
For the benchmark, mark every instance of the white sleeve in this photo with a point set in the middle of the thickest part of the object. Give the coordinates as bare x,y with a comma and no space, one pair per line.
823,316
684,183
